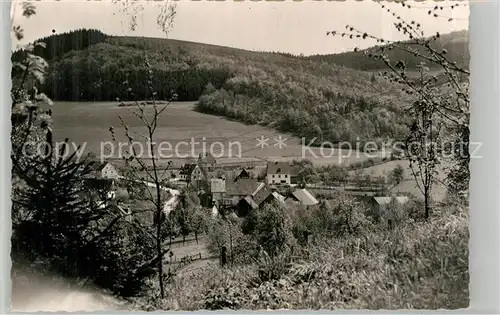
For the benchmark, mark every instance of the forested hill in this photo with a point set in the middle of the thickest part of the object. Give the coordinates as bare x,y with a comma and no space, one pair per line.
456,44
290,93
57,45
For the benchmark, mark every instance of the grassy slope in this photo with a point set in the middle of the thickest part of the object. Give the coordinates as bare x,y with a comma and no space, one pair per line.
408,185
417,265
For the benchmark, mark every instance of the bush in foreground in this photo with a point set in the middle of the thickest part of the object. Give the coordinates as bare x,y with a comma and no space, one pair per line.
415,265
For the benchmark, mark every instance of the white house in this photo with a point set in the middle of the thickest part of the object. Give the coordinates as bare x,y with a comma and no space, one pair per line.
197,174
382,204
104,170
218,189
279,173
109,171
192,173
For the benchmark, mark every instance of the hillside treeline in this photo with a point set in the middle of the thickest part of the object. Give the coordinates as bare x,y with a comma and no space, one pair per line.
310,99
455,44
57,45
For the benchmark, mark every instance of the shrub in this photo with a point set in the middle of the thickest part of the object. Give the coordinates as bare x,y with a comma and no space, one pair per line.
415,265
271,227
273,268
346,216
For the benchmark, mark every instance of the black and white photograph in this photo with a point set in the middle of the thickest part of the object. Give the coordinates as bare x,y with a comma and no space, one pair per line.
240,155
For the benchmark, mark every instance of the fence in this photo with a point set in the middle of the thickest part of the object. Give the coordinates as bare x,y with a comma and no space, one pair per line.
189,258
187,242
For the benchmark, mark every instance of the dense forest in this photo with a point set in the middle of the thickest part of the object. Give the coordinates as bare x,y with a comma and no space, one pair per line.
309,96
456,45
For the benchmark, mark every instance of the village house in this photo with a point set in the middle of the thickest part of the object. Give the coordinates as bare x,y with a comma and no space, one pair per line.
228,192
214,212
102,177
198,174
279,173
381,205
243,174
217,189
238,189
261,196
185,172
192,173
104,170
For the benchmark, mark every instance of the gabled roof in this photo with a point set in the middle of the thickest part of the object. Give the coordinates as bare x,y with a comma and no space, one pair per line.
262,194
279,168
214,211
98,166
217,185
279,197
241,186
202,169
243,174
305,197
261,185
383,200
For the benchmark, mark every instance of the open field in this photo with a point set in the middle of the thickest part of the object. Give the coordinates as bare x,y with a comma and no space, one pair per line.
88,124
408,185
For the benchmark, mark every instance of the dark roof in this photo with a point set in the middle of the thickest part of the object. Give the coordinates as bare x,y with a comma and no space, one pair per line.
97,166
241,186
279,168
187,169
249,200
243,174
262,195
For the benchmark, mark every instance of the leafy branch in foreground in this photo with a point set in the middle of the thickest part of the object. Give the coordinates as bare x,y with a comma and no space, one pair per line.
61,223
440,101
146,171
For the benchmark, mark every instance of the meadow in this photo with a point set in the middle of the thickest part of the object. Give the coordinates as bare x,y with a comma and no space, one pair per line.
88,124
408,184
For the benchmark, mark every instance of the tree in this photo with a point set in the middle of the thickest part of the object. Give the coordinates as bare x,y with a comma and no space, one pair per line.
199,222
164,20
440,102
271,228
422,145
185,214
146,170
305,171
58,219
79,231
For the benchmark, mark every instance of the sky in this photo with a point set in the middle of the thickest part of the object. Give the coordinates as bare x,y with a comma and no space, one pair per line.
287,26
